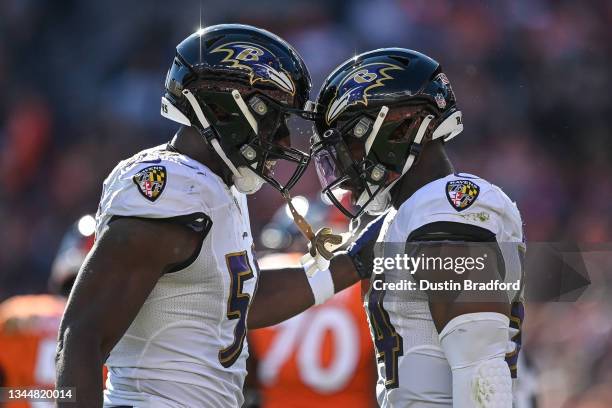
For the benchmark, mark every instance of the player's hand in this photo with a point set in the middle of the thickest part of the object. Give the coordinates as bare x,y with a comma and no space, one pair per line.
361,250
320,251
323,243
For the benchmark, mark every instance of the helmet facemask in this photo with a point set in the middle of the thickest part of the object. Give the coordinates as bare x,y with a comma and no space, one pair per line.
349,177
352,159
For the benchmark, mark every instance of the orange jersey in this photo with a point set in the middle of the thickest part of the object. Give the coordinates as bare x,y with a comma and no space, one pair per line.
320,358
28,340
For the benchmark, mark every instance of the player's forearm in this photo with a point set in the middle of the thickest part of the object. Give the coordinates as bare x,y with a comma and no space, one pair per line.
281,293
79,365
284,293
343,272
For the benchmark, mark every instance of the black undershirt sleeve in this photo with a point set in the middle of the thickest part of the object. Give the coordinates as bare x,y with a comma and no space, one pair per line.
451,231
440,231
198,222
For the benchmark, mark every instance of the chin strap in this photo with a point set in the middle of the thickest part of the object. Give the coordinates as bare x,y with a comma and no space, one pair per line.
245,110
318,256
215,144
214,141
298,219
415,150
415,147
380,118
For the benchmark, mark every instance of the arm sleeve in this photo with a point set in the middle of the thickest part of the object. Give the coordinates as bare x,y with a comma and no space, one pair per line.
160,190
491,210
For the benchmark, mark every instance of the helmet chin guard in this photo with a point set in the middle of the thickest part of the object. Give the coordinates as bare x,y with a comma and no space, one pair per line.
248,182
375,205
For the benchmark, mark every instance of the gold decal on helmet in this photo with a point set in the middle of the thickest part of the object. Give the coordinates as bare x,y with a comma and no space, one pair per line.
363,76
261,64
353,89
250,54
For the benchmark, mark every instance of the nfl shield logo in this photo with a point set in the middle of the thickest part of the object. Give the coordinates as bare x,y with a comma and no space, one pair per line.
461,193
440,101
151,181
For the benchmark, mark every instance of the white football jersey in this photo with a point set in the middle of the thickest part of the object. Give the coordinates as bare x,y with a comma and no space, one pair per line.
187,346
412,368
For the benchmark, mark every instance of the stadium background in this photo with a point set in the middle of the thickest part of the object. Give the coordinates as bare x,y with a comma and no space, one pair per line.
81,82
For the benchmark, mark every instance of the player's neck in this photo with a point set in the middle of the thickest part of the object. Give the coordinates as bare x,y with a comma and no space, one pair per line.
189,142
433,164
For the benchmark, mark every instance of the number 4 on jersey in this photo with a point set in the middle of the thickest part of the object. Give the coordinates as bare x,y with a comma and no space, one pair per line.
389,344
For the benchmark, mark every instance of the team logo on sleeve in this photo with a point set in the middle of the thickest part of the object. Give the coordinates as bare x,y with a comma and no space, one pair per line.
261,64
151,181
461,193
355,86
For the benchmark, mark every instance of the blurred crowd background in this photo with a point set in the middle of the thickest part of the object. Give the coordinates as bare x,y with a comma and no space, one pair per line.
81,83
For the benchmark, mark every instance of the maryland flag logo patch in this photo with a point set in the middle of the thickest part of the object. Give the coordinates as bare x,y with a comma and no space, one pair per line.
151,181
461,193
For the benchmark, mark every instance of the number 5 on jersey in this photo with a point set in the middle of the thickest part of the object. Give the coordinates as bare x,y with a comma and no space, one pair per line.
237,304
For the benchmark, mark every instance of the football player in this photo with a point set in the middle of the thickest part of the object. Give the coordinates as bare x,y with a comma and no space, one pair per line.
384,118
28,332
164,295
29,323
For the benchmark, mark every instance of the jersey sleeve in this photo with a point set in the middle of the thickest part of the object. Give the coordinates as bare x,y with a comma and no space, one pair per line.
470,202
155,189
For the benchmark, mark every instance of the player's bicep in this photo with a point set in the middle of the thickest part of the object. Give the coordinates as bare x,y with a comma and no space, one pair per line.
120,272
454,259
455,250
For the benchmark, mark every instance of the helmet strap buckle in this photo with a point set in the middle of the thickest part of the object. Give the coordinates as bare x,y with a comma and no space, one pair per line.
415,149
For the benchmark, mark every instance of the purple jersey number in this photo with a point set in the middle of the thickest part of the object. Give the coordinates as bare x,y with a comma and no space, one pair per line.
388,342
237,304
